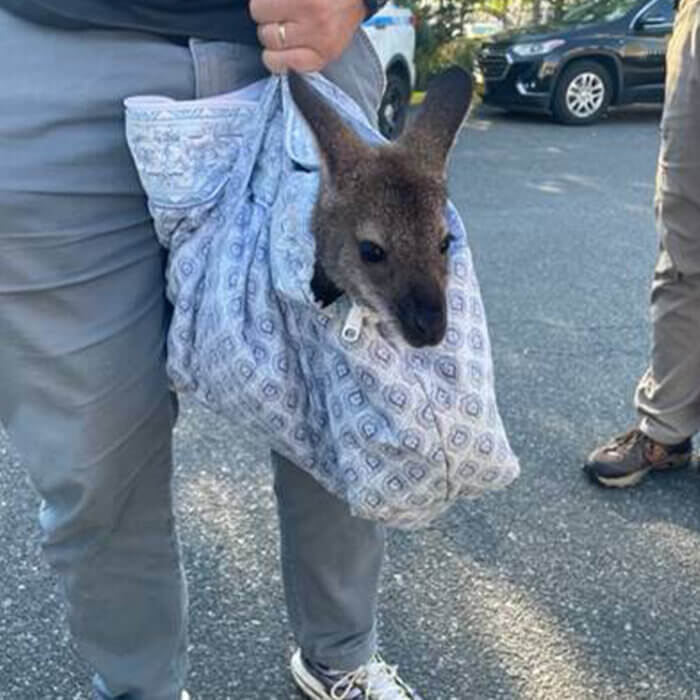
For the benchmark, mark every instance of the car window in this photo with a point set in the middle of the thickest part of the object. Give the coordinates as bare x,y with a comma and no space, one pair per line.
661,8
598,11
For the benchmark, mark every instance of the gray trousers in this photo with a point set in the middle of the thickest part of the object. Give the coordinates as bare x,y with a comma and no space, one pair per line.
668,396
83,391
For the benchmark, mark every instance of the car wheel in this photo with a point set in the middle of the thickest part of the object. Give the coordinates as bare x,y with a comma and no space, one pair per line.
583,93
394,106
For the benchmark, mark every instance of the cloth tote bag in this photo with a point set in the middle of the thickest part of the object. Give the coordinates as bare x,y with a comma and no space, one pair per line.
398,433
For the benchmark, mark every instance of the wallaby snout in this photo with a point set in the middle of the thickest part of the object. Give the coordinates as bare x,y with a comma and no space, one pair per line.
422,314
379,220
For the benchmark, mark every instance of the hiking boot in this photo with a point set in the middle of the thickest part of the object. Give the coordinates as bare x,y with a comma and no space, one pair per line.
376,680
627,459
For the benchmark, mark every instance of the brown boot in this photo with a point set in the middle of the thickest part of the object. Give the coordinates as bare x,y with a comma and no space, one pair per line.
626,459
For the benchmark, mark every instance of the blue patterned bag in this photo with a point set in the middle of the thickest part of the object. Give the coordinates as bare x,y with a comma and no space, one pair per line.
399,433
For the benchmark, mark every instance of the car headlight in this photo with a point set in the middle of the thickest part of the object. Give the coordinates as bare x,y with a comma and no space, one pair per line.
537,48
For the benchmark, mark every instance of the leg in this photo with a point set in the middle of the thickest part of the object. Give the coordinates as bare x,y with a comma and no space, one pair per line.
668,397
82,321
331,564
331,561
359,74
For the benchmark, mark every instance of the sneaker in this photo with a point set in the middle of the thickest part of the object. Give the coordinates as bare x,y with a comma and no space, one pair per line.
376,680
627,459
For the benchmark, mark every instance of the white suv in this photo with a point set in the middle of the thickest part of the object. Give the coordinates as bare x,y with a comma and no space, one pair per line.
393,34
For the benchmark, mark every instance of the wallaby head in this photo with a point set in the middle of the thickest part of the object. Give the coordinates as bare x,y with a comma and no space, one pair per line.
379,219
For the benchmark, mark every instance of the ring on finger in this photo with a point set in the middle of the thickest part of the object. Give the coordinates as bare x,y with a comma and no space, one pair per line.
282,34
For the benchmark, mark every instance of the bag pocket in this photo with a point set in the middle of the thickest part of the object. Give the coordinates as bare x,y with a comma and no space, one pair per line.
184,152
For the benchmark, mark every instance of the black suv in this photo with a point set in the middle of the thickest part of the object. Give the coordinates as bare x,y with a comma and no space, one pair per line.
601,53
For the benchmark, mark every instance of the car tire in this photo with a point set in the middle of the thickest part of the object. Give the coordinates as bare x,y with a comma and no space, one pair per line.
582,94
394,106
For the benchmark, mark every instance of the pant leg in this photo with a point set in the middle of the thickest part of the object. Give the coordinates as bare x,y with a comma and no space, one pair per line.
668,396
331,564
359,74
83,394
331,561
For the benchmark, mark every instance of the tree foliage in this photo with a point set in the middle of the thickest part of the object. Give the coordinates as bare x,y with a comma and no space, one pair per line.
441,27
448,18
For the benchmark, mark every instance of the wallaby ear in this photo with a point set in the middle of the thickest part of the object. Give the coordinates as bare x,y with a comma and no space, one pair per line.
341,149
435,129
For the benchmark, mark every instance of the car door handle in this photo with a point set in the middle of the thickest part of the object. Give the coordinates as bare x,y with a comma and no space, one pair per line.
655,22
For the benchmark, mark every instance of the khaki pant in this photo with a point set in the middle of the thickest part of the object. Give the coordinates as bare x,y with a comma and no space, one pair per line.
668,396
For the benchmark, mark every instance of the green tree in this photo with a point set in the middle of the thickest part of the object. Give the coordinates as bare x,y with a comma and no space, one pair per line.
440,35
446,19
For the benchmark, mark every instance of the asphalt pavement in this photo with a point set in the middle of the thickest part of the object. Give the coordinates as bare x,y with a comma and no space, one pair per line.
551,590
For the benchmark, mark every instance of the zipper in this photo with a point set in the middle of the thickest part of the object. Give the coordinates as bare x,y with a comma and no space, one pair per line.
353,324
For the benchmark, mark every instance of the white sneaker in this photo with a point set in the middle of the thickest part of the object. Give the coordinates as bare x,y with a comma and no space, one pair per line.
376,680
185,695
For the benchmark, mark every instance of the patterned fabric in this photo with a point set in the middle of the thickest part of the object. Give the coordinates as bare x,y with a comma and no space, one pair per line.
399,433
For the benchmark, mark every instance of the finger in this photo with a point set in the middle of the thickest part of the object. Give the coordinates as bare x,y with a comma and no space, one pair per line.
286,36
301,60
280,36
266,11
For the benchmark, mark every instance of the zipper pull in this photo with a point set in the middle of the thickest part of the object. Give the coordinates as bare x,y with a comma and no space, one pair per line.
353,324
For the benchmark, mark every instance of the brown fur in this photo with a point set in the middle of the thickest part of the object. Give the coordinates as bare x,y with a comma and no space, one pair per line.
393,195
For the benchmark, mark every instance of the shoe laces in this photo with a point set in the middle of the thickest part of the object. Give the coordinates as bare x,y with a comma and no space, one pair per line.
631,437
378,681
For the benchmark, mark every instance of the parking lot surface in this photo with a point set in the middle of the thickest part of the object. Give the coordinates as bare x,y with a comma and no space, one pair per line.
552,590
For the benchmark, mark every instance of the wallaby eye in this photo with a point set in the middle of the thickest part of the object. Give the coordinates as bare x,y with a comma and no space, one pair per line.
370,252
445,243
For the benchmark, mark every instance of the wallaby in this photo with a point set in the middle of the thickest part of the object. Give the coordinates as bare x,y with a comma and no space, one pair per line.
379,220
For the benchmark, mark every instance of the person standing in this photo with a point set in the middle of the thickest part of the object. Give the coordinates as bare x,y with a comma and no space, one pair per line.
83,320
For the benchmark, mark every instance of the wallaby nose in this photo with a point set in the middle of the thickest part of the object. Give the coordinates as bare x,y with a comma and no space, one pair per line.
423,317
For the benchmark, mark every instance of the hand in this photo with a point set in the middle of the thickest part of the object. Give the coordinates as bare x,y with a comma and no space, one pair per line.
305,35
